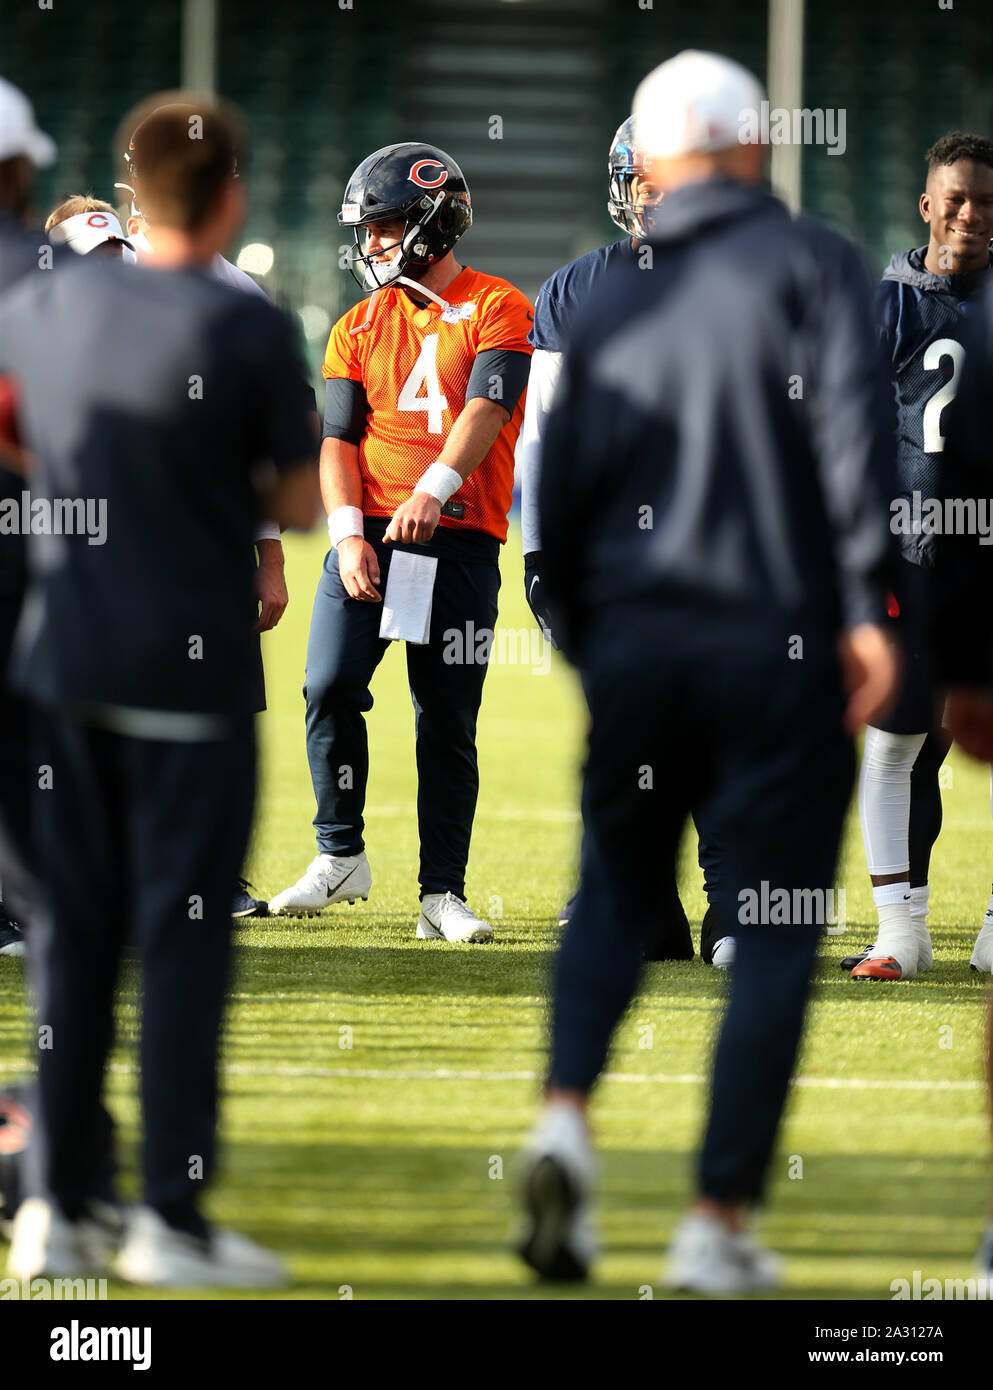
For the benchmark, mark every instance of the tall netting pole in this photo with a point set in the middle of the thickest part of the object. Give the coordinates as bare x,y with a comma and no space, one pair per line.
785,83
199,46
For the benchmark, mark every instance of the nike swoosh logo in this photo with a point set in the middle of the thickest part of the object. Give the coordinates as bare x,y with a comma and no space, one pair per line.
531,590
531,316
338,885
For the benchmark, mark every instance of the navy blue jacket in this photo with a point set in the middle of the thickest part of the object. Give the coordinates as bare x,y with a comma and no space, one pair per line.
568,288
921,322
725,429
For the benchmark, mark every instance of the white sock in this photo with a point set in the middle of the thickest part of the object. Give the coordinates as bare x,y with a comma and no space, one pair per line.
919,902
918,915
897,935
989,910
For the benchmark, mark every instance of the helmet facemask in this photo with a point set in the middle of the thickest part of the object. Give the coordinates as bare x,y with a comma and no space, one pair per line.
632,197
629,204
411,261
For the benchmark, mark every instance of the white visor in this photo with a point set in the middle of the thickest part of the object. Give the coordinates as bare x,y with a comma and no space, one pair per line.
88,230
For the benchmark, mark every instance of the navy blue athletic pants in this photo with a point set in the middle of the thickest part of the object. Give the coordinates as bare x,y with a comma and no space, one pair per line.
142,841
726,722
446,686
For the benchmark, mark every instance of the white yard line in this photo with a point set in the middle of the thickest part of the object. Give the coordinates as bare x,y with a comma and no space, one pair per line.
482,813
825,1083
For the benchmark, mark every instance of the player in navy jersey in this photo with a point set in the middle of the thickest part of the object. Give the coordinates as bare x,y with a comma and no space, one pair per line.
631,195
923,303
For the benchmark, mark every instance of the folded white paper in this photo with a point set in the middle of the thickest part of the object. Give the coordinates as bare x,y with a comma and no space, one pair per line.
407,601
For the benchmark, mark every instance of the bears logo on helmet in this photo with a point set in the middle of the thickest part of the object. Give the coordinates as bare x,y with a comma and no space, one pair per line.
435,213
416,175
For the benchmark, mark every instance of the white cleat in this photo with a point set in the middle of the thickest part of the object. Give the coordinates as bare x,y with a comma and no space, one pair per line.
723,957
44,1243
329,879
156,1255
982,952
445,915
559,1167
705,1257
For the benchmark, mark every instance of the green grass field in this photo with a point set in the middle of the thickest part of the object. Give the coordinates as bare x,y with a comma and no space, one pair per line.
375,1167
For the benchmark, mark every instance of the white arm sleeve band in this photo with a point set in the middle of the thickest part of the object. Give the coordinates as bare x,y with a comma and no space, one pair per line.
267,531
545,368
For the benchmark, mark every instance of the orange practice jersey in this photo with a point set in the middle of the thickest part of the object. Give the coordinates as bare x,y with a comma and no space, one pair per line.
414,364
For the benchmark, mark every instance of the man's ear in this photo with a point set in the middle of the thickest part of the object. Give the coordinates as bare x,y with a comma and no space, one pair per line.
925,206
133,226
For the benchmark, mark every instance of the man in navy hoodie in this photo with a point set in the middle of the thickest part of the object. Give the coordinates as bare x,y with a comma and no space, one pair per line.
748,617
923,303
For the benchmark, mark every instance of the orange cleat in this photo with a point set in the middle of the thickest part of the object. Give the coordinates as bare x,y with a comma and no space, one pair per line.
878,968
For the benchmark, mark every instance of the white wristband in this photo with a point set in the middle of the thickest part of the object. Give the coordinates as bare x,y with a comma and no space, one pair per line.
267,531
440,481
344,522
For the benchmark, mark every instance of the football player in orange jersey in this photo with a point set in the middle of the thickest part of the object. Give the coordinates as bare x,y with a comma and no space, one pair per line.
424,401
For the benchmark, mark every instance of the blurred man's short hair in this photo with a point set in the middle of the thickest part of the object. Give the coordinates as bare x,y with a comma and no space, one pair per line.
182,150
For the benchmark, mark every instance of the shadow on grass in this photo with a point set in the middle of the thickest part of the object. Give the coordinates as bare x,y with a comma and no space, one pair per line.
421,1225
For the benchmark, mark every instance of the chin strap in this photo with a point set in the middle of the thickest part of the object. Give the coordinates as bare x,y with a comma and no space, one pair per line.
443,304
368,318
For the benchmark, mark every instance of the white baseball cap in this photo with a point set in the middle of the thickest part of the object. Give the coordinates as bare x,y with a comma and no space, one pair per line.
85,231
695,103
18,132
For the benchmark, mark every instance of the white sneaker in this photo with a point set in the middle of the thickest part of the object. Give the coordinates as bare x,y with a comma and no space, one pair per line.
329,879
705,1257
44,1243
982,952
155,1254
557,1177
443,914
723,957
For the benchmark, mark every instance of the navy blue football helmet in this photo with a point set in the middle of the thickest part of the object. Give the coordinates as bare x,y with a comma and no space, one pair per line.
417,184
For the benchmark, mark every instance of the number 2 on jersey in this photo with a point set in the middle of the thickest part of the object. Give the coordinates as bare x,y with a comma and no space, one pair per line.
934,440
424,373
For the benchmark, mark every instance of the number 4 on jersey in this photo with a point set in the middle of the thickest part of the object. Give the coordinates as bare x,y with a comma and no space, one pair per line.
424,373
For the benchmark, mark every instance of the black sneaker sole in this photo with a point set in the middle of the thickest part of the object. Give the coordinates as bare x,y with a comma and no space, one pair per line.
850,962
260,910
552,1198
